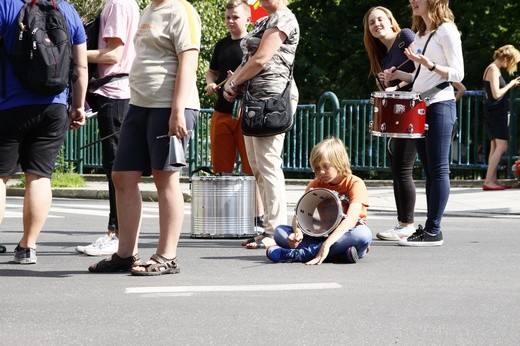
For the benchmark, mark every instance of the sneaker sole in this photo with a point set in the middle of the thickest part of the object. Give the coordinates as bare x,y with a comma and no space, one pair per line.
25,261
382,237
421,243
80,249
105,253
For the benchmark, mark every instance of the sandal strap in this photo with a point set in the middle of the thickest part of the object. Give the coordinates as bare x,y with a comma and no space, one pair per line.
116,263
161,263
128,261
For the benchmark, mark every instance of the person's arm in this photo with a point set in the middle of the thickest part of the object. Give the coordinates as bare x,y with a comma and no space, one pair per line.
110,55
349,222
271,41
461,89
493,77
393,73
186,78
211,85
79,87
296,237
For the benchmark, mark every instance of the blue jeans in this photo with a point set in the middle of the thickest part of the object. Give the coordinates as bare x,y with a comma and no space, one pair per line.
360,237
433,151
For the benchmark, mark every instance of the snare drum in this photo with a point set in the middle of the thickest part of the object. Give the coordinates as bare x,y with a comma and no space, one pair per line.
400,114
319,211
222,206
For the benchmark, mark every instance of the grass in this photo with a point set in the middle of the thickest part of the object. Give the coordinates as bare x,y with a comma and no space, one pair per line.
60,179
67,179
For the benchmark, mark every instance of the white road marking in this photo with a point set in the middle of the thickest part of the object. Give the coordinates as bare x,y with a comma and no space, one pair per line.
60,210
236,288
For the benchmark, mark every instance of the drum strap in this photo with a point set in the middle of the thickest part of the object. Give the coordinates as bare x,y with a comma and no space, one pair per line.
431,92
423,51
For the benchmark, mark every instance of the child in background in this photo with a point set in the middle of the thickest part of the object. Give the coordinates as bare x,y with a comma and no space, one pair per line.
350,240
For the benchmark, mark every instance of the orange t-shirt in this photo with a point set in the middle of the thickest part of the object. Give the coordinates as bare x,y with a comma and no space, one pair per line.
353,187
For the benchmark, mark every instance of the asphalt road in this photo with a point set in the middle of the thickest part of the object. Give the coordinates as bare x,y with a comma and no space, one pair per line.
466,292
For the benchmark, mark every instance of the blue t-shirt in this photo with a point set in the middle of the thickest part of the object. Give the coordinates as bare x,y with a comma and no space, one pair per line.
16,94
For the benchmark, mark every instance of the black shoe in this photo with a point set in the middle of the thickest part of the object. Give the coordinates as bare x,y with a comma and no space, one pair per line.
259,221
352,255
2,249
421,238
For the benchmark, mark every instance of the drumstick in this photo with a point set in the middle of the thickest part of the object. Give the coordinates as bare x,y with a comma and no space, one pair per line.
219,85
99,140
381,85
404,62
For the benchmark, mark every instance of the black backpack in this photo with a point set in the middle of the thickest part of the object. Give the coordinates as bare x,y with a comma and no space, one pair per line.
42,56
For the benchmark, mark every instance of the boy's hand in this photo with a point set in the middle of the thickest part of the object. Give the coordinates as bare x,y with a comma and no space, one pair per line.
295,239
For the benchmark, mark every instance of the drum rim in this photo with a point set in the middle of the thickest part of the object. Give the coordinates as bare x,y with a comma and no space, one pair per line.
397,135
415,95
224,177
339,218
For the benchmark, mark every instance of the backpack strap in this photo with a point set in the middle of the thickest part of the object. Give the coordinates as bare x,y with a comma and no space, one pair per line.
3,57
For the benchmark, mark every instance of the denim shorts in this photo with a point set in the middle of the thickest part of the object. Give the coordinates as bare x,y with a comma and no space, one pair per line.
139,149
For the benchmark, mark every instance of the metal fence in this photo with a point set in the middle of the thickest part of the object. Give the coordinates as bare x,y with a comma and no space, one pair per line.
348,120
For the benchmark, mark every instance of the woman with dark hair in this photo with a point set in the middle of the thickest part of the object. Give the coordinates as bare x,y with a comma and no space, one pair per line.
385,43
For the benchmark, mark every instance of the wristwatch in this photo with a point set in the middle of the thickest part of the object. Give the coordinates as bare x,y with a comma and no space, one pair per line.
433,67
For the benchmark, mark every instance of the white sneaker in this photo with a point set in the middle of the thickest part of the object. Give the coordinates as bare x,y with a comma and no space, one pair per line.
107,248
100,240
397,233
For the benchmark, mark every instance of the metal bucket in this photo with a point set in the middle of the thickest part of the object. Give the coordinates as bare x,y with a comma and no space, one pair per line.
222,206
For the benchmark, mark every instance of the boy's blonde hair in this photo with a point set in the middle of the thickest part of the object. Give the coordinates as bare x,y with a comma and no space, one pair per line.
331,150
510,55
231,4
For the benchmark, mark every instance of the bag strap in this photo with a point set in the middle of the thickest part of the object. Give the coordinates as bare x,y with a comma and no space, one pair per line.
288,80
95,84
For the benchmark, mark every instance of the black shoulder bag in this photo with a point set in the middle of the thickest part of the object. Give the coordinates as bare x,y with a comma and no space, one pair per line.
267,117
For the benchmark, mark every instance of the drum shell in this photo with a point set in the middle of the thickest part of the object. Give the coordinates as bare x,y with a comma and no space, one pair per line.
398,114
307,211
222,206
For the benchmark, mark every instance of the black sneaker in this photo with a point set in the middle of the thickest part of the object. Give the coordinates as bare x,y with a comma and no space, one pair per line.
421,238
2,249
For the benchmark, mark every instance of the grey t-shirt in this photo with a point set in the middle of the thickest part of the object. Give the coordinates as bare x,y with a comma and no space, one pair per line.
273,78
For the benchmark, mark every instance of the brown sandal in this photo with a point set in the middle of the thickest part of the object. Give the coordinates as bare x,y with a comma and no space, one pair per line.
115,264
161,266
